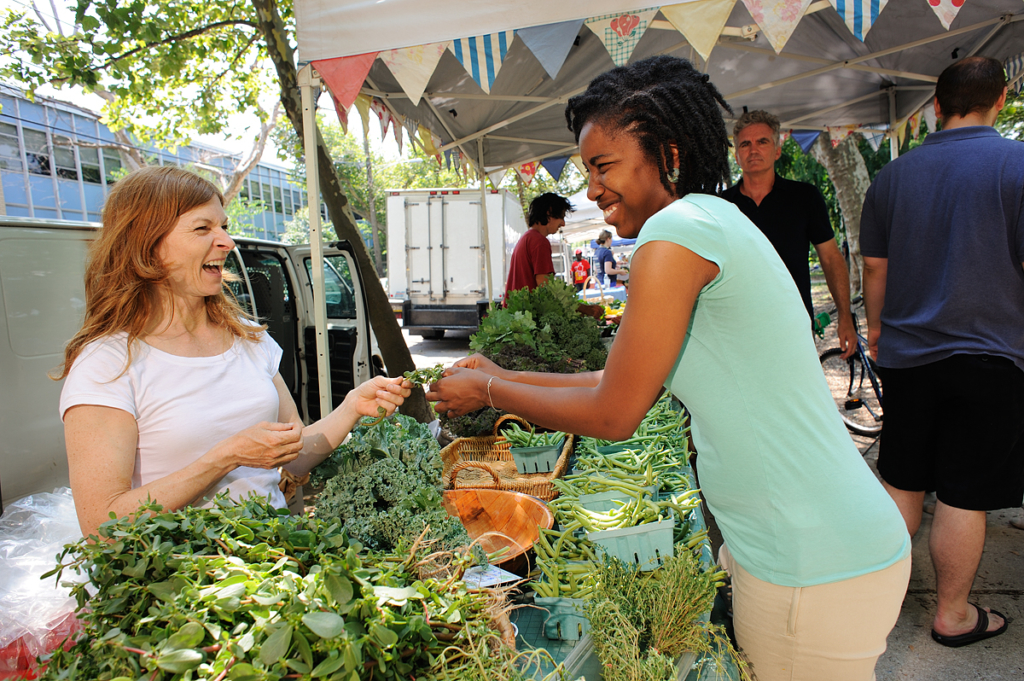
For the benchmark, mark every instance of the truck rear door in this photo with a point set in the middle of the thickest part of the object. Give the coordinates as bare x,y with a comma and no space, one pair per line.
444,243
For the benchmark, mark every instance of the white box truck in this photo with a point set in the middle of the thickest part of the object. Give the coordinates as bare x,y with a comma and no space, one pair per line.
436,255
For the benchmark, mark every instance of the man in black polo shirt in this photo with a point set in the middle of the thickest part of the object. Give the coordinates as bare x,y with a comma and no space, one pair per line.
791,214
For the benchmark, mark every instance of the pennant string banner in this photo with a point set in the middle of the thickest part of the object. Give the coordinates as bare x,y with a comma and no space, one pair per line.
806,138
555,166
527,171
620,33
1015,72
777,18
413,66
483,55
344,76
859,15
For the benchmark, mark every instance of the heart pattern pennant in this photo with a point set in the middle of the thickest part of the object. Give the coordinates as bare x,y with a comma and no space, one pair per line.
946,10
620,33
777,18
859,15
413,66
378,107
483,55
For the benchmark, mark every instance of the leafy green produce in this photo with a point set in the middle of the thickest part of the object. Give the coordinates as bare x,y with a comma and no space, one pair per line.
384,485
240,591
425,376
539,329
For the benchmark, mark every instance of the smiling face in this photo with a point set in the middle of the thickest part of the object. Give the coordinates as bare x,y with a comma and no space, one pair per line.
195,249
756,151
625,183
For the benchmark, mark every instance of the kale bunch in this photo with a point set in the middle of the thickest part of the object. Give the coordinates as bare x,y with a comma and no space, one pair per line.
384,484
479,422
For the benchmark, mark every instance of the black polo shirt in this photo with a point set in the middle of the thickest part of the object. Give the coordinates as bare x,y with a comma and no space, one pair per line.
792,215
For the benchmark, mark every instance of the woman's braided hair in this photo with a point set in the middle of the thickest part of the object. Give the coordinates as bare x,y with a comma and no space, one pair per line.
662,101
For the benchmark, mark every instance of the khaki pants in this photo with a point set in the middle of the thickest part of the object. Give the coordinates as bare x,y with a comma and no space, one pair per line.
829,632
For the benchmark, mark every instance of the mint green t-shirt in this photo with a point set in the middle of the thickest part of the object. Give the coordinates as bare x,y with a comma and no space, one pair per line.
795,501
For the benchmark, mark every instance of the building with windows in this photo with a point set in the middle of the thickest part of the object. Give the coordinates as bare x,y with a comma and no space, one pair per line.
58,161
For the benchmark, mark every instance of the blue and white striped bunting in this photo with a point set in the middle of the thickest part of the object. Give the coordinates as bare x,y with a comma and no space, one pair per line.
483,55
1015,72
859,15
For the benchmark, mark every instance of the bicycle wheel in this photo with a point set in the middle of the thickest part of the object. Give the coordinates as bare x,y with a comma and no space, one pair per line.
855,397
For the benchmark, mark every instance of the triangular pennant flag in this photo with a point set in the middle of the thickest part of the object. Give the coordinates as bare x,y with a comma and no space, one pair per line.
363,107
806,139
555,166
430,143
527,171
915,125
413,66
577,161
931,121
838,133
1015,72
874,139
341,111
399,136
483,55
901,134
946,10
345,75
777,18
859,15
700,22
448,159
621,32
550,44
378,107
496,176
413,129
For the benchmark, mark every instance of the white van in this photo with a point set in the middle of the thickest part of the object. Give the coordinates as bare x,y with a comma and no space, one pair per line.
42,304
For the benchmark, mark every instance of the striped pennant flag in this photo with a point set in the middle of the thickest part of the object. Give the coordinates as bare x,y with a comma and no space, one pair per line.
1015,72
859,15
483,55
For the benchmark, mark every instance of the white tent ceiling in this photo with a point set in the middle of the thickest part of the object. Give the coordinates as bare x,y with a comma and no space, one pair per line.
823,77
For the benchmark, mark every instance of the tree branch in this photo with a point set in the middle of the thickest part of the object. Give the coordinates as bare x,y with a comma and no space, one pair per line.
176,38
246,166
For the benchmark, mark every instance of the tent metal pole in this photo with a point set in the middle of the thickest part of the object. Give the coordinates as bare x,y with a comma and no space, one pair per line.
308,79
483,219
894,139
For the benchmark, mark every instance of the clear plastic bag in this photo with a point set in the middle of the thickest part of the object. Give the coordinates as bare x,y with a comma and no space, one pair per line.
37,613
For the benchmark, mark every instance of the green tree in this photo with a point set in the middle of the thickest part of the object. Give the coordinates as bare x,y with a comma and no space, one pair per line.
165,67
1011,119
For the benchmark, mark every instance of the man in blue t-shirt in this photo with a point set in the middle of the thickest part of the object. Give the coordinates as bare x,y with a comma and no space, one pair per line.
942,235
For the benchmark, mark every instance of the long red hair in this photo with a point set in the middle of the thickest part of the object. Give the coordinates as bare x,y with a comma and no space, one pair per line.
124,272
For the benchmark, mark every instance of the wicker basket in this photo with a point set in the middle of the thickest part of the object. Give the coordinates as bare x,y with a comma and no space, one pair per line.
485,462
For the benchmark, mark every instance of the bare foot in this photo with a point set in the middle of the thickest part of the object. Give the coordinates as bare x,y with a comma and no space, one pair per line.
958,626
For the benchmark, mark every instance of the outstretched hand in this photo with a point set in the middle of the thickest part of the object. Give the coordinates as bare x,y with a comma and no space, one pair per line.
478,362
462,389
266,444
381,392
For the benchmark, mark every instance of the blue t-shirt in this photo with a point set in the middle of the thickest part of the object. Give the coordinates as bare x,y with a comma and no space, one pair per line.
795,501
604,255
949,217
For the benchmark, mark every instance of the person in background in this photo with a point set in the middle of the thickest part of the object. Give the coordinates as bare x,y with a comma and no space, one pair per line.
818,552
944,294
791,214
171,392
531,263
606,265
580,269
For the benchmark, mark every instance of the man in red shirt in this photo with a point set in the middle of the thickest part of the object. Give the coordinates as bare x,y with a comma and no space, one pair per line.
531,264
580,269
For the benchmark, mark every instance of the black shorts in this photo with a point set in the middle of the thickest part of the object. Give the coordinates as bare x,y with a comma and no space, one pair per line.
956,426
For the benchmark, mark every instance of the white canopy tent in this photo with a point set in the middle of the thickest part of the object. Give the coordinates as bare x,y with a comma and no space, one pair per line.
824,77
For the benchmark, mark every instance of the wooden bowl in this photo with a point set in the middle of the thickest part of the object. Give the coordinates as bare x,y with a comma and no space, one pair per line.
499,519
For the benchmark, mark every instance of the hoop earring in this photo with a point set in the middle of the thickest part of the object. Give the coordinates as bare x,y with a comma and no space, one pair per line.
673,175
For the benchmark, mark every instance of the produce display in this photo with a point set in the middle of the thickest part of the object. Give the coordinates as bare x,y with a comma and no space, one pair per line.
636,482
539,329
518,437
383,484
239,591
419,377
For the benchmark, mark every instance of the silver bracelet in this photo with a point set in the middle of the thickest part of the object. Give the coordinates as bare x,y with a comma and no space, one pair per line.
489,399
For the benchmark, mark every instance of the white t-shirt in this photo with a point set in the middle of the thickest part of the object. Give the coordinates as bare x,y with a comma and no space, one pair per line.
183,405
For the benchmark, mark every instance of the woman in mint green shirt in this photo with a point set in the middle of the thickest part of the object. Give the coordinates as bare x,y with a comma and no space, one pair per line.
818,552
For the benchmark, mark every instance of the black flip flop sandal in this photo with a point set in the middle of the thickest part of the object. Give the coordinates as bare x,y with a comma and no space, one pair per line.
979,632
